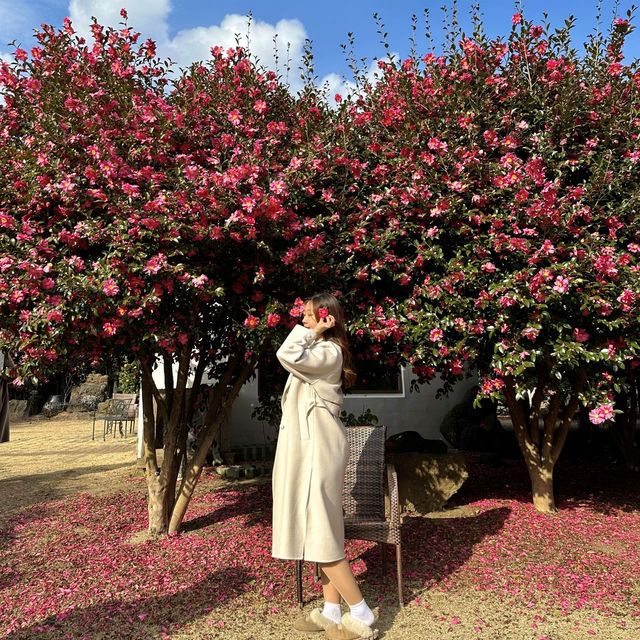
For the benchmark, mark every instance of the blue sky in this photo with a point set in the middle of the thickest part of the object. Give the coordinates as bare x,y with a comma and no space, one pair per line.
185,29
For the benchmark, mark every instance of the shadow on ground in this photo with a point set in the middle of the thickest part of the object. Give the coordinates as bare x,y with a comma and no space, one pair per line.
604,487
45,487
139,617
433,549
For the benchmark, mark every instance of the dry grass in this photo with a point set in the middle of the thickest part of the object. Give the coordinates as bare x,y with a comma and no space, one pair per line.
49,459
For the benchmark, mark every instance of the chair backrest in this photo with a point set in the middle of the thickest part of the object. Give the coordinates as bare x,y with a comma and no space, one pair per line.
118,408
132,398
363,493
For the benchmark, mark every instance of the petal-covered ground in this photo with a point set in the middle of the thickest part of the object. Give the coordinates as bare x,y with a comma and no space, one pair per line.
489,567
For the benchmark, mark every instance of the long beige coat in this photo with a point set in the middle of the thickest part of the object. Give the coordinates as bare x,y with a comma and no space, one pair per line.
312,452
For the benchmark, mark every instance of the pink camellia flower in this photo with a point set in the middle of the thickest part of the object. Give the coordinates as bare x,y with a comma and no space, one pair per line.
235,117
260,106
278,187
626,299
252,322
615,69
561,284
456,367
200,281
298,308
601,413
48,283
110,287
6,220
323,312
109,328
54,316
580,335
516,18
531,333
435,335
273,319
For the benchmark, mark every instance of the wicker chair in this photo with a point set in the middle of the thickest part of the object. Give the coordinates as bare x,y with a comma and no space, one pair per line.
363,498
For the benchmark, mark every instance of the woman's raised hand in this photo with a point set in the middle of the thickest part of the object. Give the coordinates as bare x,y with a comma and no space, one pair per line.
324,324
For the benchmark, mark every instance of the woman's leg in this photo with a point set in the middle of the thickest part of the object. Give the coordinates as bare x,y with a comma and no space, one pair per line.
337,580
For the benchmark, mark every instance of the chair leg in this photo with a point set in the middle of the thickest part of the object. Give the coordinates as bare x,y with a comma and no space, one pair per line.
384,561
399,572
299,582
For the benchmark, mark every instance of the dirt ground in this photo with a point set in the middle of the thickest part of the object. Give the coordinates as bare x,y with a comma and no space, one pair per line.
48,459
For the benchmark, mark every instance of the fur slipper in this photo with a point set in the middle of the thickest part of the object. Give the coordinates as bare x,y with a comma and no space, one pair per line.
349,628
315,621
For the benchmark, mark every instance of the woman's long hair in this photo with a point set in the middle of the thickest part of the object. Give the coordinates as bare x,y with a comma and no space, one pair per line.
337,333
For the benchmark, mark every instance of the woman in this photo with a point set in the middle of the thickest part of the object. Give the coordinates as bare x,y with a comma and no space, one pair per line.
4,397
309,467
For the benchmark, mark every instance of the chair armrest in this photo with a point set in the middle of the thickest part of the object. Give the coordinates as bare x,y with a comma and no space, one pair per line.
394,499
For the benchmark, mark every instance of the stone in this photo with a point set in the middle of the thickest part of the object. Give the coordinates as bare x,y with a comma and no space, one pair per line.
412,441
18,410
92,390
427,481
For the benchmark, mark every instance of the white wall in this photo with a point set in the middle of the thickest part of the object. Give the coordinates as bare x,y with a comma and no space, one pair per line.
409,411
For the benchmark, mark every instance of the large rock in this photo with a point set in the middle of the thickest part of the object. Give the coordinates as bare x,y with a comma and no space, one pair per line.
18,410
406,441
93,389
427,481
470,428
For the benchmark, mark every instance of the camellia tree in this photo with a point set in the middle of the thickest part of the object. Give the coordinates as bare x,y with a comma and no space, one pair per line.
173,221
496,229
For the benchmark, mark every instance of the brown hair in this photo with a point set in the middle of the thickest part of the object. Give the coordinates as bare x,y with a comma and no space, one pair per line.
337,333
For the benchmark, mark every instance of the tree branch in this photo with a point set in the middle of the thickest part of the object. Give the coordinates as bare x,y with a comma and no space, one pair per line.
160,401
149,424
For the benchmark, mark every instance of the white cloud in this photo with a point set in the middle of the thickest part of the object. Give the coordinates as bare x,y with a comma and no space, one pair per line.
148,17
194,44
333,83
191,45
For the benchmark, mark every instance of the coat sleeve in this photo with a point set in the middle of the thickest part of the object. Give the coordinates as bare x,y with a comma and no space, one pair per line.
306,358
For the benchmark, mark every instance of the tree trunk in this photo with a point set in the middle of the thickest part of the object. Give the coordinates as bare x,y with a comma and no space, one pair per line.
220,403
166,509
158,505
541,448
158,501
541,477
193,469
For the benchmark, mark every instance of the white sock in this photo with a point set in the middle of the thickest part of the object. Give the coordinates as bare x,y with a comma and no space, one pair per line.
362,612
332,611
